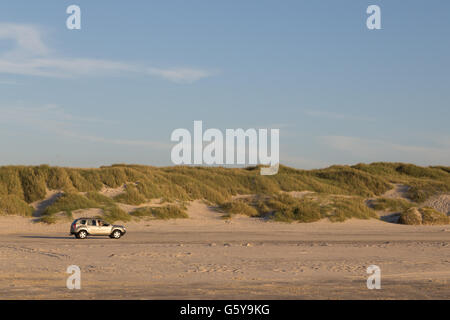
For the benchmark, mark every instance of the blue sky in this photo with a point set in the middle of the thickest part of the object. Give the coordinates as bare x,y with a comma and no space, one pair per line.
114,91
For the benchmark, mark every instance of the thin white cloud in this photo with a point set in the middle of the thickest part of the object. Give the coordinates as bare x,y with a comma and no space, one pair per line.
30,56
63,68
181,75
28,39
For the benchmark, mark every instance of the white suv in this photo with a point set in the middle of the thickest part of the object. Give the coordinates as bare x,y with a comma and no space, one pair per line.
83,227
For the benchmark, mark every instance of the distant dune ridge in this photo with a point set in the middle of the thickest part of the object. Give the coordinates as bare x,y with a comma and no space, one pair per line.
124,192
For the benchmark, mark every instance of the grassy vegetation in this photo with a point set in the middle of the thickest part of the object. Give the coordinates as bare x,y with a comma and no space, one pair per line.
350,184
12,205
98,198
412,216
33,184
165,212
431,216
424,182
342,209
391,205
302,211
131,196
114,213
48,219
239,207
427,216
422,190
111,211
219,184
284,207
69,202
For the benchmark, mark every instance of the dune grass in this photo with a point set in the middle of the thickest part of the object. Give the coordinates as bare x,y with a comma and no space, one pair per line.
342,209
218,185
391,205
239,207
301,211
49,219
309,209
33,184
420,191
165,212
114,213
431,216
131,196
12,205
425,216
98,198
69,202
283,207
424,182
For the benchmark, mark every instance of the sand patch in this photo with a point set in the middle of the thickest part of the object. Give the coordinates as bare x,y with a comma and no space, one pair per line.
400,191
200,211
440,203
40,206
300,194
128,208
112,192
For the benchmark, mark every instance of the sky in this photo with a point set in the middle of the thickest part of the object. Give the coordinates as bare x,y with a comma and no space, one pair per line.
114,91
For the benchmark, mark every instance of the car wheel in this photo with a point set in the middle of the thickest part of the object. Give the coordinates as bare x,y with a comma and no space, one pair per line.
116,234
82,234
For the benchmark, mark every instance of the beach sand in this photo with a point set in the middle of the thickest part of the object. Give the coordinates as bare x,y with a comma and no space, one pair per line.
207,257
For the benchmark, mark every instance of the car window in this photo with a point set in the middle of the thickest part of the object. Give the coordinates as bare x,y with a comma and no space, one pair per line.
92,222
103,223
83,221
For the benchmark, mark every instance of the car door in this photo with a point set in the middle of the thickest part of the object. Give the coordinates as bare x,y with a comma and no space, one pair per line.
93,229
103,227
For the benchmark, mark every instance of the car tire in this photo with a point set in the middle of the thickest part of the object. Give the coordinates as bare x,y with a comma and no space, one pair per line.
116,234
82,234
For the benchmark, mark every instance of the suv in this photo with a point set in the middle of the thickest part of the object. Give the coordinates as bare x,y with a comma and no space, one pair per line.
83,227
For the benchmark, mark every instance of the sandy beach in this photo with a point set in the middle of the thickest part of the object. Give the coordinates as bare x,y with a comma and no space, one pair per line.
207,257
